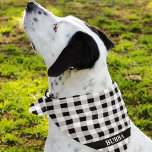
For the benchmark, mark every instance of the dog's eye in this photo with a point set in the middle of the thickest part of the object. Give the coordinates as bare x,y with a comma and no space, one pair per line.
55,27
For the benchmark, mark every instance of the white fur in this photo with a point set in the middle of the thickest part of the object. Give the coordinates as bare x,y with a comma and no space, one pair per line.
49,44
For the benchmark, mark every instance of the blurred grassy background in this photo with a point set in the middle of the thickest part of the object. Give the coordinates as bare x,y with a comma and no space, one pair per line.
23,75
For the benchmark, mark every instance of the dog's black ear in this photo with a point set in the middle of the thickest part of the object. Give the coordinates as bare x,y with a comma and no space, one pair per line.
108,43
80,53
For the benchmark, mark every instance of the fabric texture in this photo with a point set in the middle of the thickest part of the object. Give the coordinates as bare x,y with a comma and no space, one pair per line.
98,120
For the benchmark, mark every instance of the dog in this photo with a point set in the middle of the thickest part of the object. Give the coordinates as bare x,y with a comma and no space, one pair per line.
75,56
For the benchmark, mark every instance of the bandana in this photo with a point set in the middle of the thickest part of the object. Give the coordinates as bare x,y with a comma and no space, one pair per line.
98,120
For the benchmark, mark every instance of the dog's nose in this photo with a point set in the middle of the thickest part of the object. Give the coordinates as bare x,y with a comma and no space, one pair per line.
30,6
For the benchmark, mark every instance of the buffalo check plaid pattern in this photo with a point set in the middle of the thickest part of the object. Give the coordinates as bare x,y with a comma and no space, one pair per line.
98,120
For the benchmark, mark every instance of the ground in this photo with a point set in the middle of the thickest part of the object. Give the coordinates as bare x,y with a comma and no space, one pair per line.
23,75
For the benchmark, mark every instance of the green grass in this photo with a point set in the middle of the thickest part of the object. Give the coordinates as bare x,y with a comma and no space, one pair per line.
23,75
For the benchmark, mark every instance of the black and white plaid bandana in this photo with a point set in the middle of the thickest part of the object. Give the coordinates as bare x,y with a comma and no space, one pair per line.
97,120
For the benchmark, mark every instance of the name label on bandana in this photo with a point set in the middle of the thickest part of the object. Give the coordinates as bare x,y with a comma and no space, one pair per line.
110,141
114,140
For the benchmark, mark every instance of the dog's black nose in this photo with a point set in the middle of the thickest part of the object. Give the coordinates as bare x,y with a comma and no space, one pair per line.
30,6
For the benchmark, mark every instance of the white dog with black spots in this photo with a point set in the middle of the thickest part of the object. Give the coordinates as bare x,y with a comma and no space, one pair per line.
75,55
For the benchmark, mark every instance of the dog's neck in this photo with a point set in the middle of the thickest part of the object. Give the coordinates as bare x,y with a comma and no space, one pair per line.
78,82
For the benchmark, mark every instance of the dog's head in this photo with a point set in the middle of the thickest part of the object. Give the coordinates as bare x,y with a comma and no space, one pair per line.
64,42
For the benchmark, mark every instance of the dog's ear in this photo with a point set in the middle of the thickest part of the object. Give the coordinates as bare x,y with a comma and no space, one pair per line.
108,43
80,53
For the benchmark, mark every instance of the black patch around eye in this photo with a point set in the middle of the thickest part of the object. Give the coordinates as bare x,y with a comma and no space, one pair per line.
35,19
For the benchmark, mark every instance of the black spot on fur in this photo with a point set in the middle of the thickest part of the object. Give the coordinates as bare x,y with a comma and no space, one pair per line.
52,96
60,77
45,13
108,43
81,53
34,11
40,12
35,19
55,82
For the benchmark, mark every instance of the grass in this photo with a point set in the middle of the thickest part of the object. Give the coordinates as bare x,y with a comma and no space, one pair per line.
23,75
